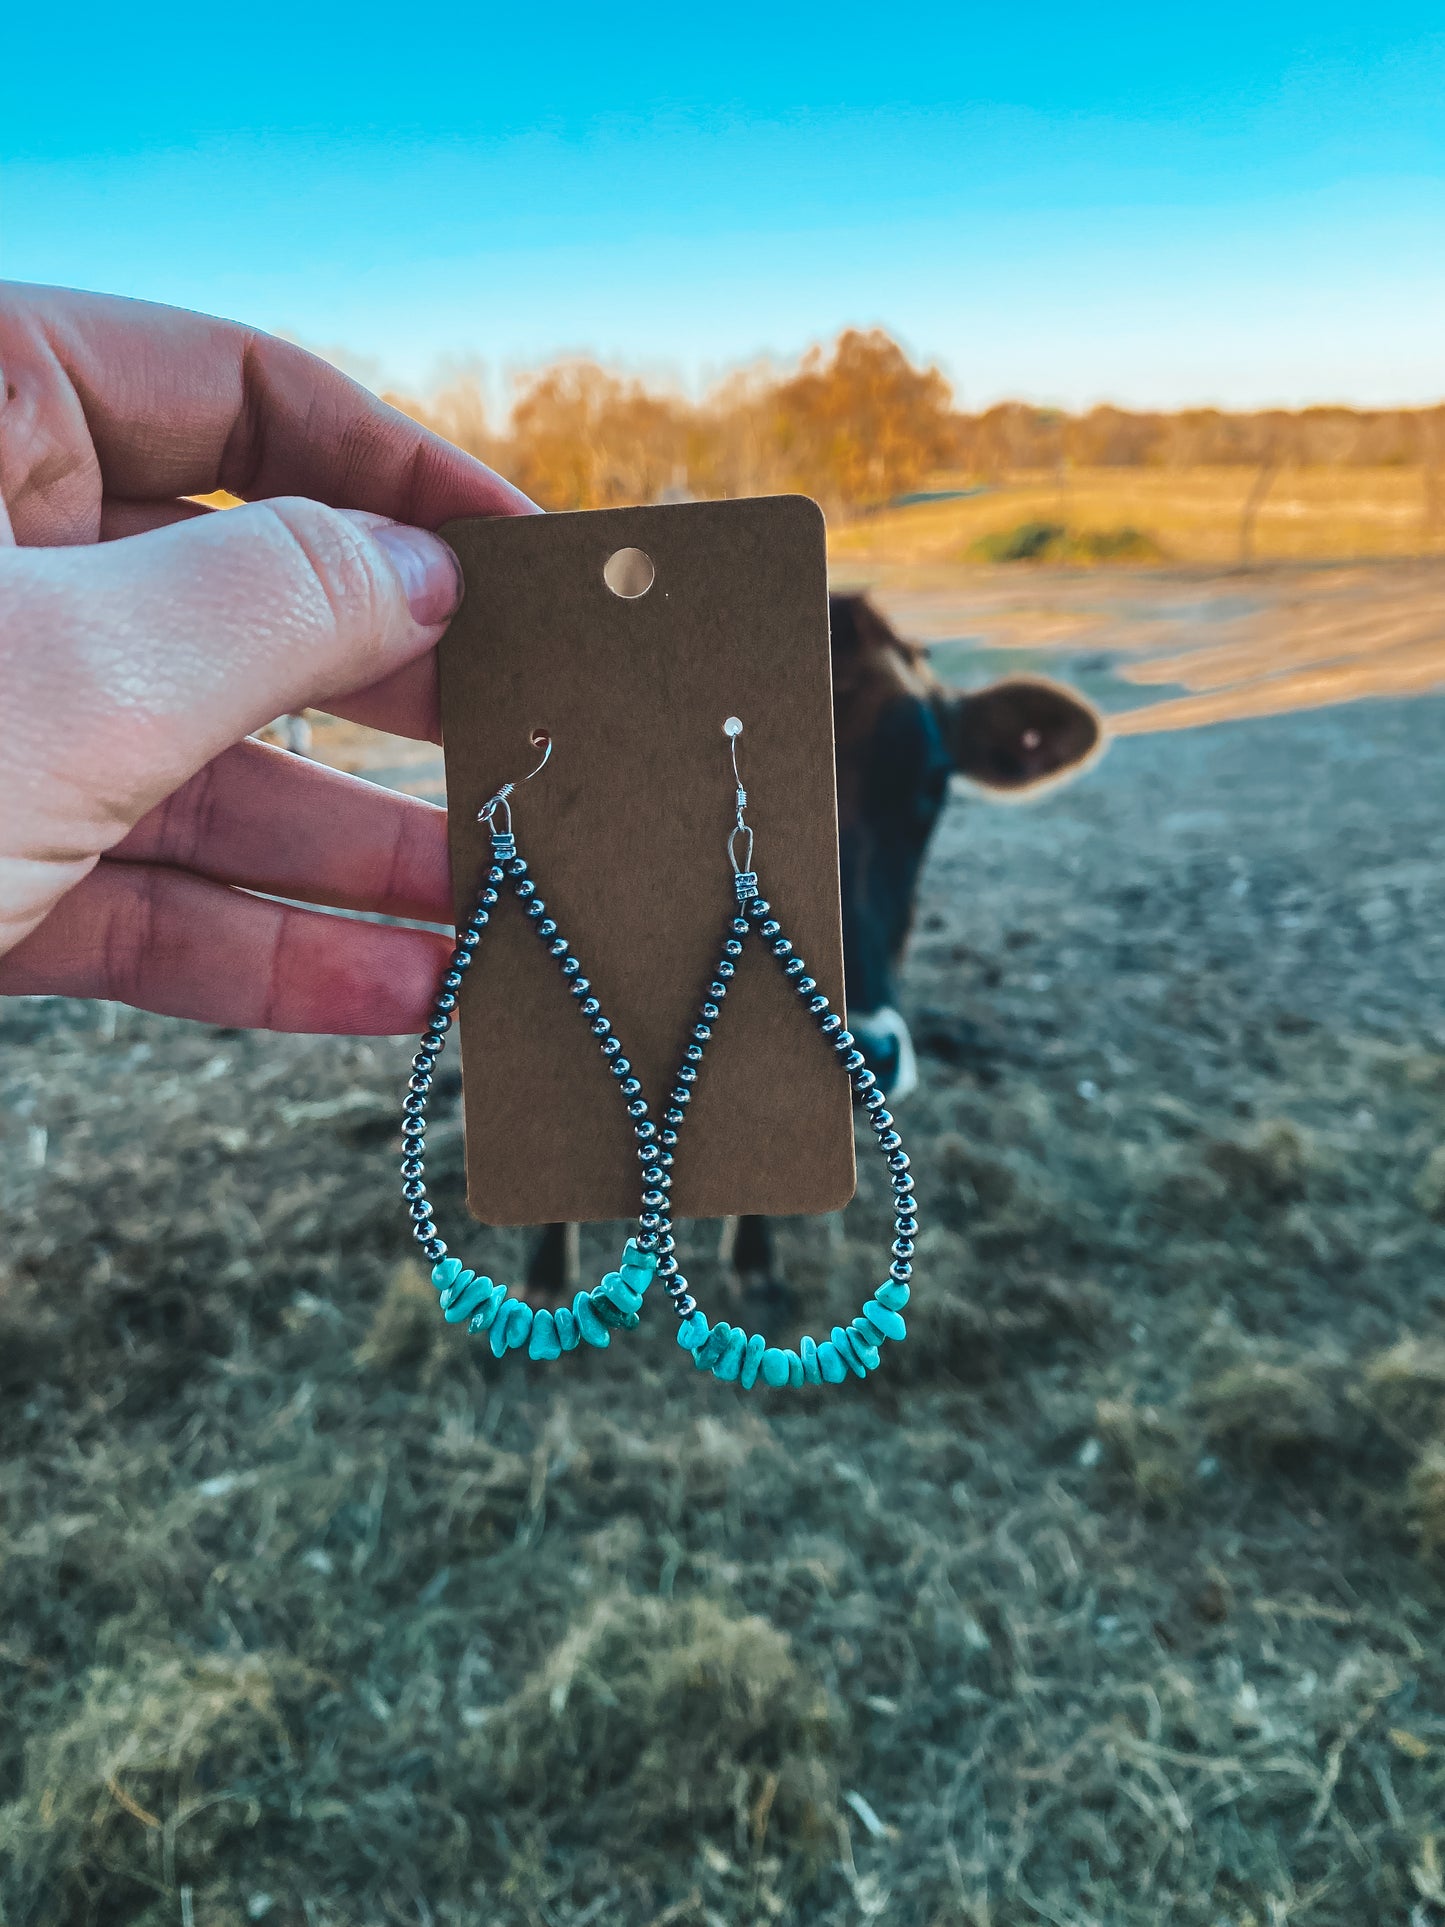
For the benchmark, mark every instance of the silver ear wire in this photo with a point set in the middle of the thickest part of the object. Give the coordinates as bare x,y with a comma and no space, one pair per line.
744,876
539,739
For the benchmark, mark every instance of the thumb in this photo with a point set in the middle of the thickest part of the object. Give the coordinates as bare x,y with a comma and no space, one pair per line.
137,661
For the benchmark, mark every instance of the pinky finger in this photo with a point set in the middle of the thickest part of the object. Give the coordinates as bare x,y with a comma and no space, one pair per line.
183,946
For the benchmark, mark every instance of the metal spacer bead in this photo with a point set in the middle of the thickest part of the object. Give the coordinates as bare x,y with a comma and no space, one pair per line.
746,884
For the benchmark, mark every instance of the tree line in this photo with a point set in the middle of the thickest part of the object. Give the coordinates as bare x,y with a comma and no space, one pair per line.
857,424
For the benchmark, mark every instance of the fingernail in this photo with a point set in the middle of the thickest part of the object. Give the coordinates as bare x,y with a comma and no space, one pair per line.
431,576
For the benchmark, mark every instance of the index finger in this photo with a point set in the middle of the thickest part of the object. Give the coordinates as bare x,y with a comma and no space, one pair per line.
184,404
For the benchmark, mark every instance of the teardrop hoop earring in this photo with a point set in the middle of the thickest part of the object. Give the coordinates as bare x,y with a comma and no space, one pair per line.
615,1303
727,1351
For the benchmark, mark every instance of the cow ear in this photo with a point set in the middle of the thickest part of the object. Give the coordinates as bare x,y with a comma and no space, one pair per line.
1021,732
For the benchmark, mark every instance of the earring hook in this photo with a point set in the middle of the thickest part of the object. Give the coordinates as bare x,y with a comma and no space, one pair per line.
744,876
539,739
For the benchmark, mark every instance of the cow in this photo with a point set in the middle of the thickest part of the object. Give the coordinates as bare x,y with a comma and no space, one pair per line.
900,735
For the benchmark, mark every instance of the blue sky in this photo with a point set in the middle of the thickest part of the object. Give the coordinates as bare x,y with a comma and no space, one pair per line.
1245,205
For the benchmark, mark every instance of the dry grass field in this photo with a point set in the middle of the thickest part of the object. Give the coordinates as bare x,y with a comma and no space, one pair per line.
1116,1600
1188,515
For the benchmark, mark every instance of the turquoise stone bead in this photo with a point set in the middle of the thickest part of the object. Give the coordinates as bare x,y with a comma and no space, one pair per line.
893,1295
775,1367
639,1268
464,1299
712,1347
519,1324
544,1342
867,1352
795,1367
885,1319
498,1334
612,1314
808,1355
843,1345
866,1330
752,1358
692,1330
588,1323
730,1365
830,1365
446,1272
486,1312
615,1288
450,1293
569,1333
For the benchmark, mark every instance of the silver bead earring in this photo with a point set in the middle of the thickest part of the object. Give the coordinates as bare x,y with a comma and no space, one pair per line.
727,1351
510,1324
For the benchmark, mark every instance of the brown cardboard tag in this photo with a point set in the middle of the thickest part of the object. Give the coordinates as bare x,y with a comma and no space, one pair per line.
625,831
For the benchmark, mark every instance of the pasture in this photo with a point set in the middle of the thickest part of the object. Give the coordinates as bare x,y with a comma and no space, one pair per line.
1115,1598
1185,515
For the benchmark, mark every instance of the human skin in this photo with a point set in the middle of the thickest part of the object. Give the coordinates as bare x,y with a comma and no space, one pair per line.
143,638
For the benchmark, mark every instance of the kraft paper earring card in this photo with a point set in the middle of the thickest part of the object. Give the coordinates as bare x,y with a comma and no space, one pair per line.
629,636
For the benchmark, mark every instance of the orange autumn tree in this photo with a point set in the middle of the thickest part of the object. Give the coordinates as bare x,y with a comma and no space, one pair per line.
582,438
860,425
854,426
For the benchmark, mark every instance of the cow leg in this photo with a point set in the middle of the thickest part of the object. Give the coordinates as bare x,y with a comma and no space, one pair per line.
554,1270
747,1245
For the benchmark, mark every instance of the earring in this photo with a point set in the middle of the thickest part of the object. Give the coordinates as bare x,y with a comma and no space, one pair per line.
727,1351
486,1307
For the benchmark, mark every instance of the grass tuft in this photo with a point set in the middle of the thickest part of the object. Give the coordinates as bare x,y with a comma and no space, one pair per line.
1269,1411
163,1763
658,1717
1036,541
404,1327
1267,1167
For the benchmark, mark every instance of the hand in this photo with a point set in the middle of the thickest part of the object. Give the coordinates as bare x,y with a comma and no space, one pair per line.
142,639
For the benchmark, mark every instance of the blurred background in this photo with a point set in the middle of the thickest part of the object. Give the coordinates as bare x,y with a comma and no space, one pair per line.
1114,349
